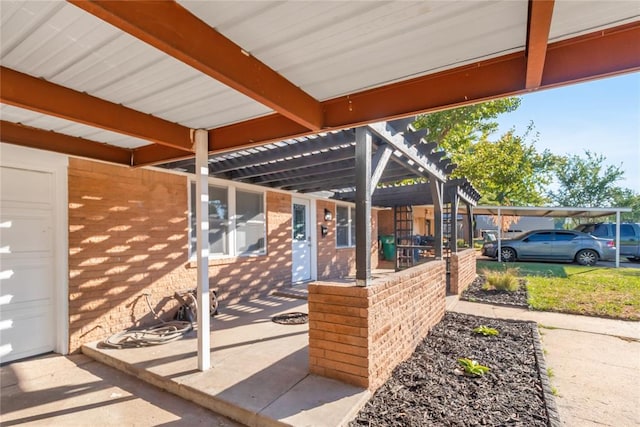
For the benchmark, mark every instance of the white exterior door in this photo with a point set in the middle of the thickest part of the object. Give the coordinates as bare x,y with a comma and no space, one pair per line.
27,290
301,241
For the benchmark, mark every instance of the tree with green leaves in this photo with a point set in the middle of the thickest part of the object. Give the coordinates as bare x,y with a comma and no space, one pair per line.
508,171
586,181
627,198
456,130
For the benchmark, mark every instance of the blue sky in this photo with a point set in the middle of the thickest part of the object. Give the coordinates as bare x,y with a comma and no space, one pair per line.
601,116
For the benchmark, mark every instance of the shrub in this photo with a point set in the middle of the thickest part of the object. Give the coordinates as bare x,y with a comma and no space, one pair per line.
501,280
472,368
486,331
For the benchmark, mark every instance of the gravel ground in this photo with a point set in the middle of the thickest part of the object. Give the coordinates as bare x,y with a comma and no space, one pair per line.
428,390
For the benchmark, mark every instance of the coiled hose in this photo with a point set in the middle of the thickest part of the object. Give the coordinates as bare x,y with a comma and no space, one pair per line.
162,333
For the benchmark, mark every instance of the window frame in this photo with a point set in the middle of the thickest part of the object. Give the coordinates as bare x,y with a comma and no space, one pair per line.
350,226
232,219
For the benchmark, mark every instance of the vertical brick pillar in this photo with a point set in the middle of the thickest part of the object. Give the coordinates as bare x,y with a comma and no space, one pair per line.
463,270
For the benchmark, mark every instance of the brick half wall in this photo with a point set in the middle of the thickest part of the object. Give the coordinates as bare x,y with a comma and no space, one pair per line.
463,270
358,335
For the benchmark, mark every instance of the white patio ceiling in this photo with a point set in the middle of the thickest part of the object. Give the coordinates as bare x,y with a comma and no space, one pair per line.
128,81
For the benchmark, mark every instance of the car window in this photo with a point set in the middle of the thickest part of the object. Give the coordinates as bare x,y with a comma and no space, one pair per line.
600,230
543,236
626,231
586,228
563,236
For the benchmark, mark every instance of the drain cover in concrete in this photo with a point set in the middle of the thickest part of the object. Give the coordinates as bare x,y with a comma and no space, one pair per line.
294,318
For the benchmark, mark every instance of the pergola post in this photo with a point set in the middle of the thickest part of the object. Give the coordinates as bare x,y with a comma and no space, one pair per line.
363,206
437,188
470,225
201,146
455,202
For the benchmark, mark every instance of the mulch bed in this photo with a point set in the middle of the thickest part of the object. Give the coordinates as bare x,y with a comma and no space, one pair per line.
425,390
475,293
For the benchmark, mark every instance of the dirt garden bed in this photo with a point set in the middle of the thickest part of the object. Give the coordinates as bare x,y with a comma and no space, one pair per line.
428,388
475,293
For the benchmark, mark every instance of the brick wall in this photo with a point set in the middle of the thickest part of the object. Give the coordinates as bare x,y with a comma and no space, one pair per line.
336,262
128,235
360,334
463,270
385,222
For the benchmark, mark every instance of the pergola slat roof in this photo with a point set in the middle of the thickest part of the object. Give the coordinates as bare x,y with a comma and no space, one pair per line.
326,162
142,76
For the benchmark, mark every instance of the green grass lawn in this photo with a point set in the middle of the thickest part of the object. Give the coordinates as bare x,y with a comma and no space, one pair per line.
568,288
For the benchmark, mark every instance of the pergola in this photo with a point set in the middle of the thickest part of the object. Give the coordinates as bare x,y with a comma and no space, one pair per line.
145,83
554,212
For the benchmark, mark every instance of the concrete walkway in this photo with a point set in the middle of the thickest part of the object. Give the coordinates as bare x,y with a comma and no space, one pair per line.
595,363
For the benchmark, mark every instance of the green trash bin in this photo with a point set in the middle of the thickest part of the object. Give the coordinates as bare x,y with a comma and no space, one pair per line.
389,247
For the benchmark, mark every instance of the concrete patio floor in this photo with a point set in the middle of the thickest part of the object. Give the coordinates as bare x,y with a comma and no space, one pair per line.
259,374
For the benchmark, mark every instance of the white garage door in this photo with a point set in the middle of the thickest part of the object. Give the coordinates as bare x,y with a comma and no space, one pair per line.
26,263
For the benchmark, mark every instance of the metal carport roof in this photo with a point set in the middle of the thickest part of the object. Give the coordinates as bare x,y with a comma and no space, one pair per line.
557,212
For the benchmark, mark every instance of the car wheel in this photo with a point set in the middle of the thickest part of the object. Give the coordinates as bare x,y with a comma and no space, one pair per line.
586,257
508,255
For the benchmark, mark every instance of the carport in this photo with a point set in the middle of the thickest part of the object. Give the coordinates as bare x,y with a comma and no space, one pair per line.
553,212
146,83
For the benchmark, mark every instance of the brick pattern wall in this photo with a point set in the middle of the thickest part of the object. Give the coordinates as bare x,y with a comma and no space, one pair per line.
334,262
128,236
360,334
463,270
385,222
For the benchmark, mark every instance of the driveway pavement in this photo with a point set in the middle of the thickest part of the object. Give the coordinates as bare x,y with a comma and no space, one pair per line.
595,363
76,391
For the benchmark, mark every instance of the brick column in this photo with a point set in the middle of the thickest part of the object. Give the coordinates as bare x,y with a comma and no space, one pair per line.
463,270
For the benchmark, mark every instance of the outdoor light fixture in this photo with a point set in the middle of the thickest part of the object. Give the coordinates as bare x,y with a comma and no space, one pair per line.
328,216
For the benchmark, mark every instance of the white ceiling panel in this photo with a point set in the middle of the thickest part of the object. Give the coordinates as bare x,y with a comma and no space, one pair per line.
19,19
327,48
331,48
572,18
72,48
66,127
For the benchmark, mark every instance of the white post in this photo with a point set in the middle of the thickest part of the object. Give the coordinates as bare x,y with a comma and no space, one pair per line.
499,236
617,239
202,247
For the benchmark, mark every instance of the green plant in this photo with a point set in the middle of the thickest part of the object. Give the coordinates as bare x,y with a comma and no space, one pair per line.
473,368
486,331
501,280
550,373
554,391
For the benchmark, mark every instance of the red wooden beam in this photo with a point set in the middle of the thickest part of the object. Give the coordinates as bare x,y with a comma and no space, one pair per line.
596,55
52,141
24,91
174,30
538,26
